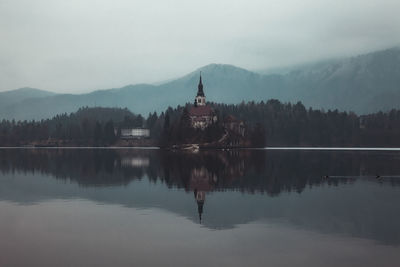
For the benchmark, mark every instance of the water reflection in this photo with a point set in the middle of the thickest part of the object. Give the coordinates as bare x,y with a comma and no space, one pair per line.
221,189
248,171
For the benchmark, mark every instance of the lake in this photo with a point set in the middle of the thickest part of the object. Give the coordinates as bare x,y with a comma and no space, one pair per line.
149,207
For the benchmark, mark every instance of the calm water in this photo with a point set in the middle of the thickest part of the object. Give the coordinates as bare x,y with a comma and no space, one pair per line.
94,207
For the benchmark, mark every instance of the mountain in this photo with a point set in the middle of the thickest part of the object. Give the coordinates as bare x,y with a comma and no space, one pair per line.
223,83
18,95
363,84
46,107
366,83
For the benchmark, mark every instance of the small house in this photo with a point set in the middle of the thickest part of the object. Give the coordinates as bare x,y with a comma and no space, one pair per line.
135,133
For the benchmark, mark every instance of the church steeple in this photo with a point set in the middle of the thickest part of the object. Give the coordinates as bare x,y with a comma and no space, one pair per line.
200,88
200,97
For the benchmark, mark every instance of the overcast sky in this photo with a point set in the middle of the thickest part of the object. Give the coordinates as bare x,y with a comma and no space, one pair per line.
83,45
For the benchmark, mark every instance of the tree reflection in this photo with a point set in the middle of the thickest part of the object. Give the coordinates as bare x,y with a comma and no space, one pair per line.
248,171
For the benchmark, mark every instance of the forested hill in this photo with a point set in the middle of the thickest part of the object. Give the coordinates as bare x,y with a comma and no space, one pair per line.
363,84
87,126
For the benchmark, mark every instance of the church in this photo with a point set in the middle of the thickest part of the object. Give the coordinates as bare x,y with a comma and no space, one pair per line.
201,115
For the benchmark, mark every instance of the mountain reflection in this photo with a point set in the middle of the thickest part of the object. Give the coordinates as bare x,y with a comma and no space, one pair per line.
220,189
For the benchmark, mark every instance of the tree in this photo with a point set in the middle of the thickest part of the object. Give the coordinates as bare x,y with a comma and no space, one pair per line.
97,134
258,136
166,123
109,134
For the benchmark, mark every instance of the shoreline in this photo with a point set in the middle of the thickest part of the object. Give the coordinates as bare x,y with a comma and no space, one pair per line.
210,148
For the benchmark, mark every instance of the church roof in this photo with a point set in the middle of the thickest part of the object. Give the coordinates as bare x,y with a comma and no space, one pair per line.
201,111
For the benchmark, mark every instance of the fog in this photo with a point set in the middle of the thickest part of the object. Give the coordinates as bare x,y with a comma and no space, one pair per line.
79,46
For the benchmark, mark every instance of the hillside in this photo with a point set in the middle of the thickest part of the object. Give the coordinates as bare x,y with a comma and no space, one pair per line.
364,84
46,107
14,96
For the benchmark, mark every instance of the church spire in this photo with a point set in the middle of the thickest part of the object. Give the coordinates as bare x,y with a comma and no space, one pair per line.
200,87
200,99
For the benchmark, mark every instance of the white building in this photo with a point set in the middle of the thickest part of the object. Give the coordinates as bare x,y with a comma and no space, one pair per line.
135,133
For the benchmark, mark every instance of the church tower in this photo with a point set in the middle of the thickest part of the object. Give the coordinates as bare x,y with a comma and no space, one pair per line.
200,99
201,114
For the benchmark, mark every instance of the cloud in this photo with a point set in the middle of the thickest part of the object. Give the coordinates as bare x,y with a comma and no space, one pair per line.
70,46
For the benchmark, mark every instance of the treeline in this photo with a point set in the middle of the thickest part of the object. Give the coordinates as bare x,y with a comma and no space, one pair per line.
287,124
270,123
273,123
88,126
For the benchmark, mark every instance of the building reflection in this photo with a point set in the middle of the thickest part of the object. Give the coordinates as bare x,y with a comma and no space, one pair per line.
135,162
201,182
200,197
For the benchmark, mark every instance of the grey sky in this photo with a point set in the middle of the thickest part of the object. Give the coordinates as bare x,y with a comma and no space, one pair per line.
83,45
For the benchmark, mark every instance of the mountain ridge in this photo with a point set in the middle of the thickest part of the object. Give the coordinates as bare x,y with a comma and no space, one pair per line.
364,83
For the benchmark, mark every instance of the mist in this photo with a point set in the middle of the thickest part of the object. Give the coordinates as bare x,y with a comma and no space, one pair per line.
80,46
